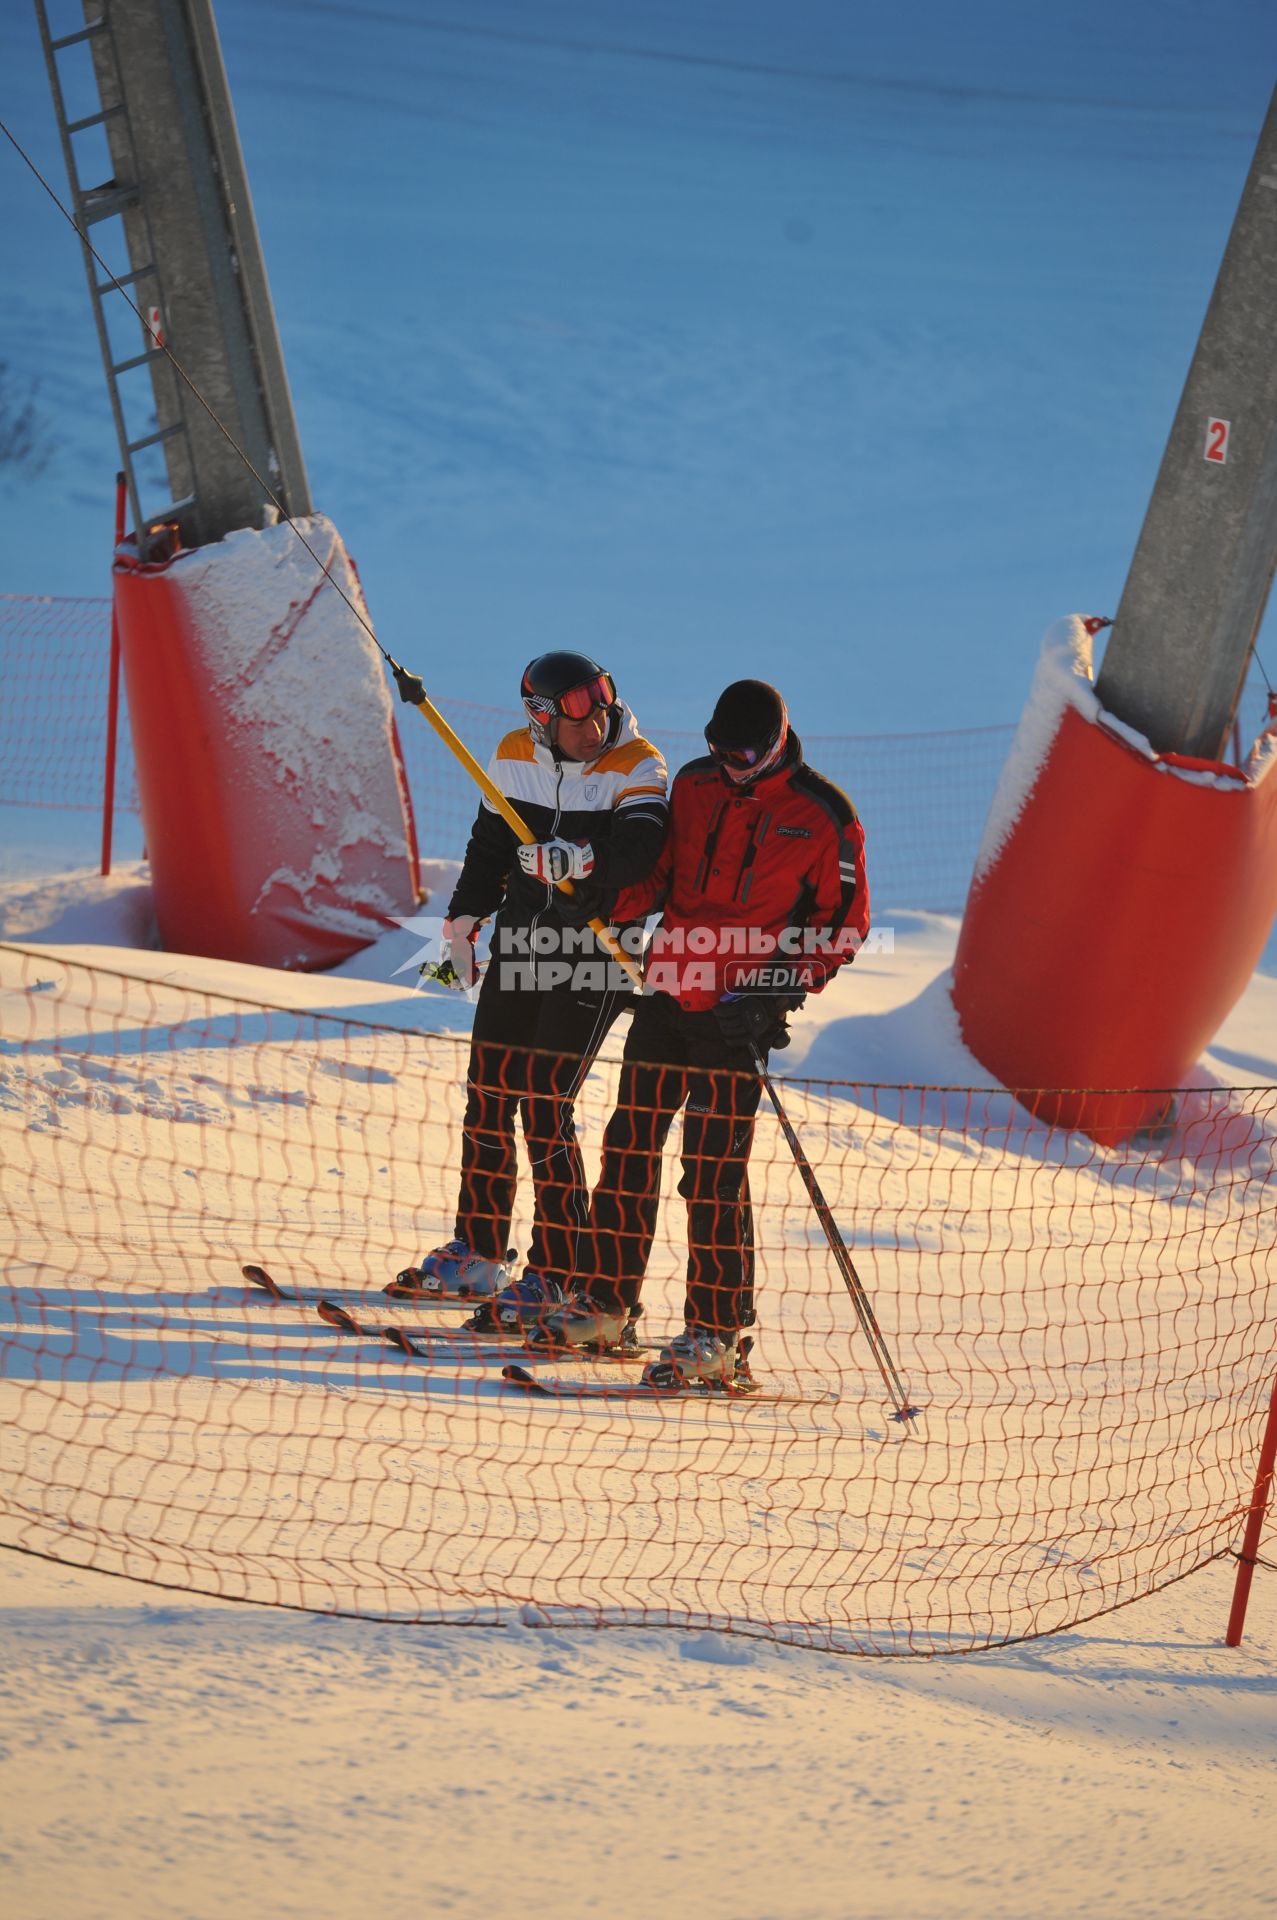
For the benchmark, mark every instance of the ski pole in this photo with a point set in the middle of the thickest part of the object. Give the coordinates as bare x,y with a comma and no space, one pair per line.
838,1247
412,690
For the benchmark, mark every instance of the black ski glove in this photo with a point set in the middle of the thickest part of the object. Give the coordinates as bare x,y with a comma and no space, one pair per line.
587,901
757,1019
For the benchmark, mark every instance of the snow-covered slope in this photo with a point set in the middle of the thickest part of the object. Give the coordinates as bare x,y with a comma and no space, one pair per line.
171,1756
829,343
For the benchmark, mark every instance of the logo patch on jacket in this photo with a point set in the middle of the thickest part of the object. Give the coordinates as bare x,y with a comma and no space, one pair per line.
796,833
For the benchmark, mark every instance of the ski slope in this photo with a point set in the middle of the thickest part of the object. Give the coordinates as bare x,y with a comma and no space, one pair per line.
715,340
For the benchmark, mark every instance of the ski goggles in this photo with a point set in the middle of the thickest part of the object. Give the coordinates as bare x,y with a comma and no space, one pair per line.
739,756
578,703
743,758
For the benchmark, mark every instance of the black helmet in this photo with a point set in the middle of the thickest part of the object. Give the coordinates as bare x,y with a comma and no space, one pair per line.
563,686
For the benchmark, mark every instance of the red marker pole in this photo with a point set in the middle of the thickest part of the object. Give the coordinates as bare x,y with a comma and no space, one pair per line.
1254,1526
112,699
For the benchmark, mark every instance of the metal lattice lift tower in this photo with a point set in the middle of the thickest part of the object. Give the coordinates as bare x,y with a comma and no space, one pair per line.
140,90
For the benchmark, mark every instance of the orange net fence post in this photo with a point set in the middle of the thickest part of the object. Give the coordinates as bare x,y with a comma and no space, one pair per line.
1248,1553
1089,1331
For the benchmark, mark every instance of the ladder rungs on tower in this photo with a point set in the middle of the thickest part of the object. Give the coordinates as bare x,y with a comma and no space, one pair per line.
76,39
95,119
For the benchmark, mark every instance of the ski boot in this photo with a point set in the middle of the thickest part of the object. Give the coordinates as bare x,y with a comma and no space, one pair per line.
589,1326
518,1308
704,1361
453,1272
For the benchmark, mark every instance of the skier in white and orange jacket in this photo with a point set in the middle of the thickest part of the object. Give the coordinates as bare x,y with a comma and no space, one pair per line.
593,790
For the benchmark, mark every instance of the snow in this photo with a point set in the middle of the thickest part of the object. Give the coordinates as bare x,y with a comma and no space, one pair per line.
168,1755
1064,679
316,1763
837,346
250,594
305,741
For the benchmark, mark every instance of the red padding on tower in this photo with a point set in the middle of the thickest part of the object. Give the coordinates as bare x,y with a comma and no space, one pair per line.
277,820
1119,906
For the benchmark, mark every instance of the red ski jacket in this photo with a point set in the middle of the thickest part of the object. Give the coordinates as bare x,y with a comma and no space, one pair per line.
763,888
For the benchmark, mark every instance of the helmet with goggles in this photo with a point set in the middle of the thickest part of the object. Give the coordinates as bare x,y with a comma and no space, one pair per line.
564,686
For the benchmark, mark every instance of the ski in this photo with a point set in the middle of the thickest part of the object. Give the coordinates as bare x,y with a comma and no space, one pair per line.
383,1298
459,1338
368,1319
259,1276
436,1344
333,1311
557,1389
402,1334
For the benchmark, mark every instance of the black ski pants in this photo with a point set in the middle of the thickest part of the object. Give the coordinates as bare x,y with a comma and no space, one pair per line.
674,1059
531,1049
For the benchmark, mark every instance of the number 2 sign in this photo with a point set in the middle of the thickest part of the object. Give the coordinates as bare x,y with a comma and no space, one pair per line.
1217,441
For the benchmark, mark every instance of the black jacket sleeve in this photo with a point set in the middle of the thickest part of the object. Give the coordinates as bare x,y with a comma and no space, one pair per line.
633,845
485,871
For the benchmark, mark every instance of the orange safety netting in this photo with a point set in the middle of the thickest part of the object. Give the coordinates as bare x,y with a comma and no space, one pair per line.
1089,1331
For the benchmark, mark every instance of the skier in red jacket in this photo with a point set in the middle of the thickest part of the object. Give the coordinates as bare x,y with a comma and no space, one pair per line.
762,882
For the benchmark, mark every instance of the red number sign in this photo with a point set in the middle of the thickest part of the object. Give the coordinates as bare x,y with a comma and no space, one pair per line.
1217,441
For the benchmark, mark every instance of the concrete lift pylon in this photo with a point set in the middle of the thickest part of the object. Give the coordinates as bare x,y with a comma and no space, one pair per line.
196,271
1127,885
278,825
1186,624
